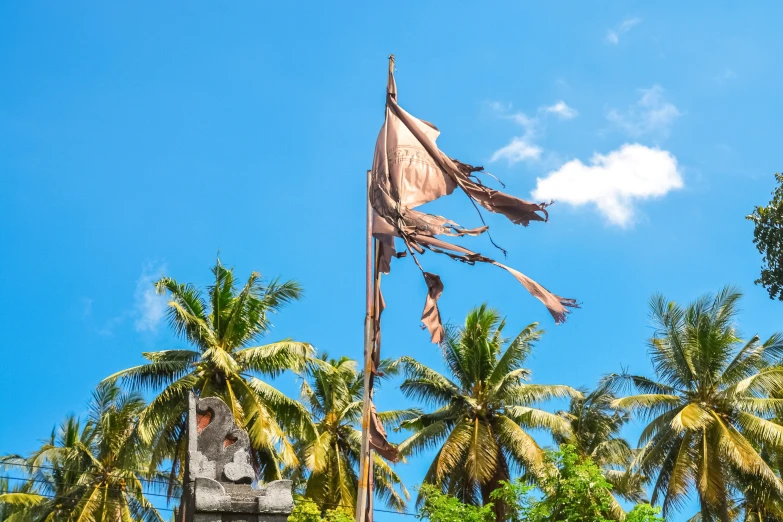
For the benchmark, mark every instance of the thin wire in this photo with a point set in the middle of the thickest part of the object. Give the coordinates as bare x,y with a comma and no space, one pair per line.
113,488
150,481
54,497
351,507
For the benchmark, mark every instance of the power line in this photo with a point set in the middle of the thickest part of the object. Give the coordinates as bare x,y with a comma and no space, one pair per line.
167,497
55,497
113,488
87,472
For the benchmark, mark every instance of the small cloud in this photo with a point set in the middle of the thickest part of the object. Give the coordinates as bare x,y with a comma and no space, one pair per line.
724,76
523,148
87,307
149,307
108,327
561,109
650,115
525,121
518,150
613,182
613,35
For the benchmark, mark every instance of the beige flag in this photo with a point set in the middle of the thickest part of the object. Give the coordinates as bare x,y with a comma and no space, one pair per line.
408,171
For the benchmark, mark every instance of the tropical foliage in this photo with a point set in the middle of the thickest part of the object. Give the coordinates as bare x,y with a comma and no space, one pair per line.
330,460
713,412
484,409
437,506
88,471
574,490
223,327
768,238
711,408
595,433
305,510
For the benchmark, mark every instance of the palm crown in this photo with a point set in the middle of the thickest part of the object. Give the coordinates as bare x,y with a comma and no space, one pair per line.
91,471
334,396
224,328
483,410
710,409
595,433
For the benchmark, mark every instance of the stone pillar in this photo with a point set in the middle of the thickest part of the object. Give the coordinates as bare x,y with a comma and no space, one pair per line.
218,475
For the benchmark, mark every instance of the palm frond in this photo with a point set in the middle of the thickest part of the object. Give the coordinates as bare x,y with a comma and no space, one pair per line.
425,384
274,358
516,353
165,367
535,418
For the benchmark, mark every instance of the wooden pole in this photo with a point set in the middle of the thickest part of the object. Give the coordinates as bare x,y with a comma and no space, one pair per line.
364,492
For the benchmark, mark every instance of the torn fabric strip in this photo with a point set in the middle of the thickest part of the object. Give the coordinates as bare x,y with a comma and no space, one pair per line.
378,439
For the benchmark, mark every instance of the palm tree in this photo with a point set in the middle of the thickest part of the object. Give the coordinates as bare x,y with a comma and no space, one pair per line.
483,409
595,434
709,410
757,502
331,459
224,329
12,505
91,471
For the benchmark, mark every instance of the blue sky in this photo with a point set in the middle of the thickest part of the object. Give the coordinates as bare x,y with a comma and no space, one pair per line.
141,139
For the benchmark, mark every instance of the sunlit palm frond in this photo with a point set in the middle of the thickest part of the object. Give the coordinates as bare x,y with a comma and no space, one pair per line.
187,312
333,392
522,448
165,367
425,437
516,354
224,325
90,470
712,411
534,418
425,384
389,486
536,393
485,404
274,358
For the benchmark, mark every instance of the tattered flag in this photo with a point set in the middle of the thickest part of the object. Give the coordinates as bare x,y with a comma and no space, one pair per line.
408,171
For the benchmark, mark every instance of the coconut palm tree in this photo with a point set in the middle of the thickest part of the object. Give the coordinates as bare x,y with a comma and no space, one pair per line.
710,408
757,503
89,472
595,433
483,409
753,500
330,460
224,328
12,504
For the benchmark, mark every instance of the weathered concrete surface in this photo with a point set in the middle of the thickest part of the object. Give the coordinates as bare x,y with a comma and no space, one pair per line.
219,477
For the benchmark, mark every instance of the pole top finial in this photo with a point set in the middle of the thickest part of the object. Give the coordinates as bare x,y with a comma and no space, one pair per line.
391,87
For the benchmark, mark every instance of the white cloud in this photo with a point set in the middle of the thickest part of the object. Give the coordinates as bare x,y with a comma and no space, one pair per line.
650,115
518,150
613,35
613,182
562,110
149,307
527,122
524,148
87,307
725,75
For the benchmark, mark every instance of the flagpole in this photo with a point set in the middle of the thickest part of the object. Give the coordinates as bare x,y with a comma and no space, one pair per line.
364,492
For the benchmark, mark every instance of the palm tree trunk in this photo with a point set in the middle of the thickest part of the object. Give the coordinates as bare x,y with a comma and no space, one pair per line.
500,508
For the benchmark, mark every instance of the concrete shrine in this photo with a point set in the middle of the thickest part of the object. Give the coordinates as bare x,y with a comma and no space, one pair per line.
219,477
